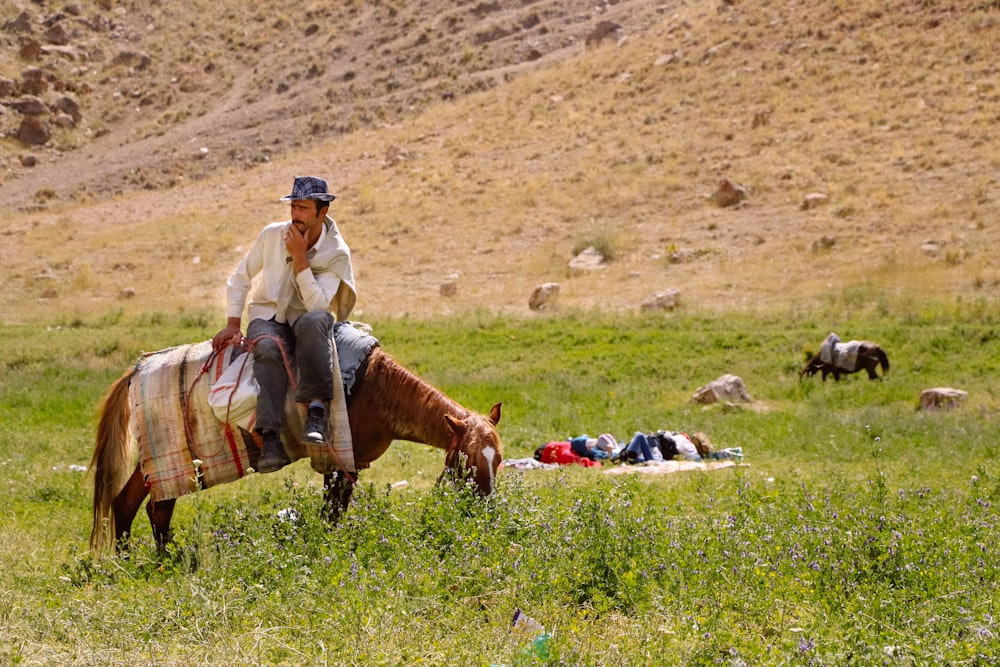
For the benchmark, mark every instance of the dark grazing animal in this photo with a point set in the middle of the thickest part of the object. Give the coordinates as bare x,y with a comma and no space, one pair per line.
869,356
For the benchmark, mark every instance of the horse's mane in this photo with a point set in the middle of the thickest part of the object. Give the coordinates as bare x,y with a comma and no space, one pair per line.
413,408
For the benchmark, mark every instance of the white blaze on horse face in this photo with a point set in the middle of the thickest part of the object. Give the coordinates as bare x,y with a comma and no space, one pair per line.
490,455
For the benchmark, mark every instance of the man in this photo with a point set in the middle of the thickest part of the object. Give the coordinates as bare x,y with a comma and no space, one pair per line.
303,273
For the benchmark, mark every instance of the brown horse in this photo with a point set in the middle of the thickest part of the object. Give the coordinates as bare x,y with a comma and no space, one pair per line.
386,403
869,356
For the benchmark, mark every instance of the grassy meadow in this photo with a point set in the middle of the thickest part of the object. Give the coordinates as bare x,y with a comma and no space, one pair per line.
859,531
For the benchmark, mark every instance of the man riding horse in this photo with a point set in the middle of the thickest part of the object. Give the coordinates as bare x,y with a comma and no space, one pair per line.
304,269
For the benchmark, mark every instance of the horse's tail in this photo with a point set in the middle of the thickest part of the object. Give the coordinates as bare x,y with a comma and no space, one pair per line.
883,359
112,464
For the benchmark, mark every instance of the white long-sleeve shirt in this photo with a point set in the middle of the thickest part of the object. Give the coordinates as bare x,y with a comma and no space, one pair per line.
281,294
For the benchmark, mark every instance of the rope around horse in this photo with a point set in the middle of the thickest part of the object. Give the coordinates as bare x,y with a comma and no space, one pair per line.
247,345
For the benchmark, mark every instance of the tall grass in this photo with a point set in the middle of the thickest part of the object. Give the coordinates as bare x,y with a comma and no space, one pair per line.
861,531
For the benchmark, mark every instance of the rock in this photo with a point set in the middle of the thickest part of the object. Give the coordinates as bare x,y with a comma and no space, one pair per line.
761,118
31,50
590,259
544,296
395,155
449,288
604,31
823,243
941,398
29,105
729,193
814,199
727,388
33,81
663,300
69,106
127,293
134,59
56,34
28,160
34,131
932,248
21,24
64,120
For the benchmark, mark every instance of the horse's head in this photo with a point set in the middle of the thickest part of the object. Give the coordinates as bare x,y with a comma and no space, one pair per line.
475,453
813,366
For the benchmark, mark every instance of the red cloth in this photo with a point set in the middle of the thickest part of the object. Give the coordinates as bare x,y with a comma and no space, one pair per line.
563,454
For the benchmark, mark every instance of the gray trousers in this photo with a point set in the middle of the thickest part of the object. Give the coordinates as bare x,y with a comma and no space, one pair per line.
309,351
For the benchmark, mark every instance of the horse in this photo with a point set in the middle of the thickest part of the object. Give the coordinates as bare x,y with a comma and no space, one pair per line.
387,402
866,356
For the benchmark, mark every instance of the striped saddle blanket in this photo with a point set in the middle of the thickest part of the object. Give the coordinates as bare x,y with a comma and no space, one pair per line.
174,426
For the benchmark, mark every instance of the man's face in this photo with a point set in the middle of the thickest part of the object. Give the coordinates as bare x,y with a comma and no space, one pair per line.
305,217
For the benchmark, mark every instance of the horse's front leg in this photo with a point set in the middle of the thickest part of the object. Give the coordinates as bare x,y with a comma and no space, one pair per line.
159,519
338,491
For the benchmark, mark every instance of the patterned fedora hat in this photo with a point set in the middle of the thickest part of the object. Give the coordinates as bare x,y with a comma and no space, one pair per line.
309,187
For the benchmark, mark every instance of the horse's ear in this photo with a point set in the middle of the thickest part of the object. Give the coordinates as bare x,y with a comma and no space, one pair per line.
456,424
495,414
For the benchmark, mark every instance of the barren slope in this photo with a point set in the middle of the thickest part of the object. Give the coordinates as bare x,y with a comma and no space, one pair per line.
517,146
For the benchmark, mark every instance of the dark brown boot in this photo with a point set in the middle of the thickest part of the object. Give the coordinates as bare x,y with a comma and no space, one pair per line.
273,457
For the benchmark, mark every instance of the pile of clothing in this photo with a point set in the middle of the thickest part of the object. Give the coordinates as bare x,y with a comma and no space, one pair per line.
643,448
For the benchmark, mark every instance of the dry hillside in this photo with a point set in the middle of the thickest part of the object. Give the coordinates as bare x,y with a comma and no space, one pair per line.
483,144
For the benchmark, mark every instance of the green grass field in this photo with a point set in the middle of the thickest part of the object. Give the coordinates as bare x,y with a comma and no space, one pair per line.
860,531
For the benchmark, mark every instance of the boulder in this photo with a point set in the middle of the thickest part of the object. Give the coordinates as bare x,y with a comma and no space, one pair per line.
941,398
729,388
728,193
667,299
590,259
34,131
544,296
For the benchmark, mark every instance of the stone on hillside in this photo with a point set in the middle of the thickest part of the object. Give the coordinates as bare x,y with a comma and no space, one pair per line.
544,296
64,120
761,118
681,255
728,388
69,106
941,398
29,105
604,31
395,155
449,288
69,53
823,243
56,34
30,51
134,59
667,299
932,248
590,259
8,87
34,131
814,199
728,193
21,24
33,81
